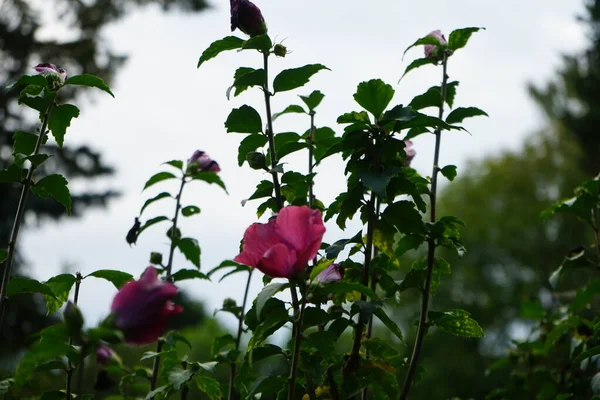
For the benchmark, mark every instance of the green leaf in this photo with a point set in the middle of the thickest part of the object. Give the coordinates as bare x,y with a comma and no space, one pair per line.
117,278
40,353
209,177
374,96
159,196
594,351
378,181
458,115
150,355
449,171
399,113
246,77
262,43
354,117
179,377
403,215
456,322
11,174
54,185
294,108
89,81
293,78
26,80
459,37
209,386
249,144
161,176
188,211
190,249
176,164
37,97
266,293
433,97
219,46
406,243
418,63
3,255
24,143
244,120
347,287
19,285
36,159
60,120
332,251
313,100
423,41
60,286
184,274
152,394
151,222
391,325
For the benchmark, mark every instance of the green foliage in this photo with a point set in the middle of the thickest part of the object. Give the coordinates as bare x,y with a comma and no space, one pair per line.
219,46
190,248
158,177
244,120
374,96
456,322
117,278
60,285
458,115
60,120
54,185
458,38
290,79
89,81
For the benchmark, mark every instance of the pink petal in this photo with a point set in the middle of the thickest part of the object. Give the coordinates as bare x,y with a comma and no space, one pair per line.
300,226
278,262
258,239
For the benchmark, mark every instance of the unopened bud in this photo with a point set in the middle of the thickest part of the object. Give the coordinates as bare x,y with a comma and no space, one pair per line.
156,258
173,233
73,320
280,50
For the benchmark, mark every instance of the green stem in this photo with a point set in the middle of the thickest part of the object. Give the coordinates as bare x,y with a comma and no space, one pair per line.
169,268
414,360
232,392
270,134
354,359
333,391
310,140
72,367
596,230
12,241
186,389
299,317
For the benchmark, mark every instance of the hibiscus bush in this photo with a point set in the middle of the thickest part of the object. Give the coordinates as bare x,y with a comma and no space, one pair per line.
343,287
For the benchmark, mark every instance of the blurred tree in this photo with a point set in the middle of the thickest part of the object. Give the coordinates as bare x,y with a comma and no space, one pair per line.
24,42
511,252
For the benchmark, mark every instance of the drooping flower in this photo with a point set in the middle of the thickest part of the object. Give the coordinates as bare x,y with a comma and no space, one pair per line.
52,72
142,308
104,354
332,273
283,247
431,50
201,162
410,151
246,17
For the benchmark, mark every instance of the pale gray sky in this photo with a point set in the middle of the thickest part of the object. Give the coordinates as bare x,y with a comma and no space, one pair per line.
165,109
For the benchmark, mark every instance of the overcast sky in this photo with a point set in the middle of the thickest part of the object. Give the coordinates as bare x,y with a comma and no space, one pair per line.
165,109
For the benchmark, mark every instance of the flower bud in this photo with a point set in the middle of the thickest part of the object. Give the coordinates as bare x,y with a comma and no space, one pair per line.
410,152
73,320
246,17
433,51
104,354
280,50
201,162
156,258
173,233
55,76
256,160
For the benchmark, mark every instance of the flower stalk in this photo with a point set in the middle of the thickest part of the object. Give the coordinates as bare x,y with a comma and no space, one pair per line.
72,367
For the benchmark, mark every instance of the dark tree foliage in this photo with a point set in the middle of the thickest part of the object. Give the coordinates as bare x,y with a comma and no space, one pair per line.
21,47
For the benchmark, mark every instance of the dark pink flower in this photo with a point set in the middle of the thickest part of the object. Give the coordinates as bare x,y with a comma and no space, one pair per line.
246,17
50,70
283,247
410,152
431,49
332,273
200,161
142,308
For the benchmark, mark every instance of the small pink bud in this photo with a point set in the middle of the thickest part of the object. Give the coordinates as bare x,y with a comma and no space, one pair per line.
410,152
201,162
431,50
52,73
246,17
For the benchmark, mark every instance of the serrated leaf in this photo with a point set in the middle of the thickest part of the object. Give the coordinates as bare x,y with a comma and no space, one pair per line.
219,46
246,77
210,177
433,97
54,185
313,100
403,215
179,377
377,181
456,322
60,286
259,42
459,37
158,177
188,211
37,97
249,144
418,63
89,81
117,278
176,164
25,80
244,120
387,321
293,78
151,222
449,171
458,115
60,120
190,249
266,293
152,394
374,96
19,285
24,143
332,251
159,196
11,174
293,108
184,274
209,386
